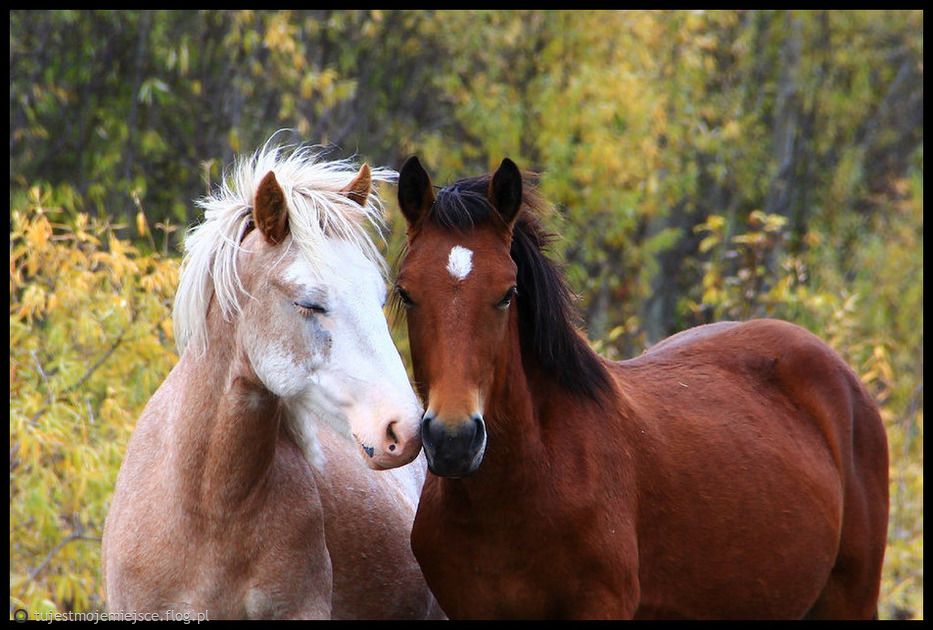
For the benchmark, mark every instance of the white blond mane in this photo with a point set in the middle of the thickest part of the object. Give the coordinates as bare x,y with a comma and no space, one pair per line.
317,210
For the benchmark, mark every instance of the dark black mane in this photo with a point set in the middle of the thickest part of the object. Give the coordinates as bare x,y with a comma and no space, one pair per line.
548,320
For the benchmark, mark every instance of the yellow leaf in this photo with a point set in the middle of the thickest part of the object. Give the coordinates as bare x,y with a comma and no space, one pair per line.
708,243
37,235
166,326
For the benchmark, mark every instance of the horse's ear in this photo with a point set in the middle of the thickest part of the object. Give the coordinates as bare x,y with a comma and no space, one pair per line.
415,191
270,210
505,191
358,189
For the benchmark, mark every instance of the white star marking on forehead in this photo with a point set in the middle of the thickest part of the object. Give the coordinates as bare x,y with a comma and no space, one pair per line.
460,262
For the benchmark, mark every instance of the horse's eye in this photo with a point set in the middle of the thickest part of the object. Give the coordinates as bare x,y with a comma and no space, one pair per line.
309,308
507,298
403,296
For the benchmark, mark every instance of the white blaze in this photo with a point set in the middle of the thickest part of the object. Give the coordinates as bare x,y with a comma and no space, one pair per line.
460,262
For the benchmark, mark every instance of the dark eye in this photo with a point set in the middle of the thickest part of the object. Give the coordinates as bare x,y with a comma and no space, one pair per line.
507,298
310,308
403,296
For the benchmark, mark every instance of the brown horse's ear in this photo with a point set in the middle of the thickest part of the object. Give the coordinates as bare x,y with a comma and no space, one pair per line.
505,191
270,210
415,192
358,189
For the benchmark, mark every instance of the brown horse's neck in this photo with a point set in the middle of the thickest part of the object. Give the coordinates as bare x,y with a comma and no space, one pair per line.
532,415
231,427
511,411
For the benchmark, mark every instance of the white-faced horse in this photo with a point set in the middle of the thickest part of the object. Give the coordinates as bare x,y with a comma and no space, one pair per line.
266,478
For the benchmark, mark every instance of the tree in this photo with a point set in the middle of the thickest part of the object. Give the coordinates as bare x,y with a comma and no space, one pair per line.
90,340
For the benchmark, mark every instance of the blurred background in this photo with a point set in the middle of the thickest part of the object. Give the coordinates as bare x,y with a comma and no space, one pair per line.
701,166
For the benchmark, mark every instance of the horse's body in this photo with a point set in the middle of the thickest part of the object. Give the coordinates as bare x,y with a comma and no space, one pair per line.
245,490
736,470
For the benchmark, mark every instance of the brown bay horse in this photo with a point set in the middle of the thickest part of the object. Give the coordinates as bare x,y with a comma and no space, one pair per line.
735,470
267,476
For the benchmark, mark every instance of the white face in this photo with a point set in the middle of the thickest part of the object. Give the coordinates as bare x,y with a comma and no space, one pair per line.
326,350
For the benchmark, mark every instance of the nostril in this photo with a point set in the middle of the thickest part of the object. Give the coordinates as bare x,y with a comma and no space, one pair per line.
426,436
479,435
391,438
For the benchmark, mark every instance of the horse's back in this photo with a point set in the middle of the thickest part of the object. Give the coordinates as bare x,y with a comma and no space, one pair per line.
762,449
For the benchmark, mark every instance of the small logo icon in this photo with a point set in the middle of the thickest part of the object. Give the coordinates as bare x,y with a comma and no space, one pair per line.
20,615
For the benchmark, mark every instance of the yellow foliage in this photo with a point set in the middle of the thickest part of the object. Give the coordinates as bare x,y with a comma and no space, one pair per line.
90,340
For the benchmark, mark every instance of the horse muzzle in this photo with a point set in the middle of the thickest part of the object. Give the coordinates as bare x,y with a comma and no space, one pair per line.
453,449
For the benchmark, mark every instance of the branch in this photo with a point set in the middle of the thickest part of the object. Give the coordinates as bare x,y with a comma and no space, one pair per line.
48,558
90,371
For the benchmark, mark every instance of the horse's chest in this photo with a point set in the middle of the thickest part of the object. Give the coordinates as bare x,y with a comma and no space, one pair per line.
506,566
482,581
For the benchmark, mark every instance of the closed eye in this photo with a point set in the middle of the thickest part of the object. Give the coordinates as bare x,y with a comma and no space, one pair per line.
308,309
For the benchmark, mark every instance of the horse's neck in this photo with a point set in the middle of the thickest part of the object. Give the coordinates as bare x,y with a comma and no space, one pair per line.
533,418
517,410
230,424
